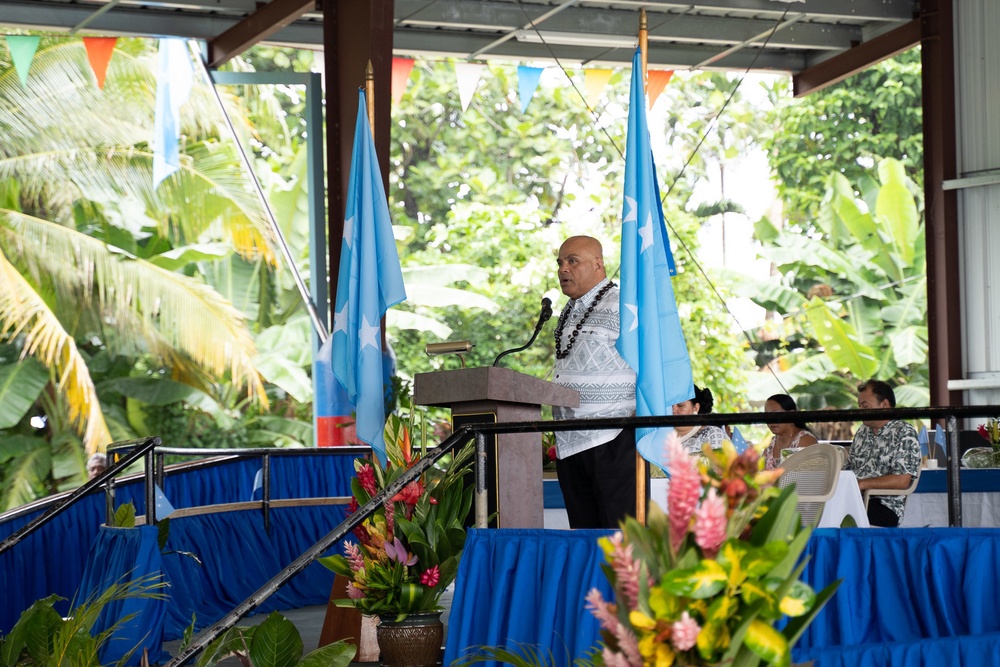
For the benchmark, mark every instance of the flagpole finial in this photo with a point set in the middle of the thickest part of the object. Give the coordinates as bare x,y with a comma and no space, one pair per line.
370,94
644,43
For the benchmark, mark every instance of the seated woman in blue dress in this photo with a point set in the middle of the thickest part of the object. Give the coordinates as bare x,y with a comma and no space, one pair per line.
693,437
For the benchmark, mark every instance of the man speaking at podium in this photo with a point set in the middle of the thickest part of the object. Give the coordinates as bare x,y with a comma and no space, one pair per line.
596,468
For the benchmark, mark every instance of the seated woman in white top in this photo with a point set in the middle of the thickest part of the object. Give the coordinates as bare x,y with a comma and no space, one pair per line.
786,436
693,437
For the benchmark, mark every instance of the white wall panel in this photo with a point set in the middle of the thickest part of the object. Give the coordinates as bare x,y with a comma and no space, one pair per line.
977,63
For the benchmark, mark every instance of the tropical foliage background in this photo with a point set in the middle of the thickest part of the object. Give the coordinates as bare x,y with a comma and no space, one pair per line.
129,311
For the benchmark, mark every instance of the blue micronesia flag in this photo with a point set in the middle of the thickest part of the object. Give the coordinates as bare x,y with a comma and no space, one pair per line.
651,341
369,283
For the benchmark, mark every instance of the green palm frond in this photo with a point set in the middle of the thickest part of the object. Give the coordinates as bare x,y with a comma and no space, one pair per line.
208,189
189,315
206,194
22,311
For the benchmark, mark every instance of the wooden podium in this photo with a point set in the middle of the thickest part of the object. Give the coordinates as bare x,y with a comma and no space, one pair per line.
513,460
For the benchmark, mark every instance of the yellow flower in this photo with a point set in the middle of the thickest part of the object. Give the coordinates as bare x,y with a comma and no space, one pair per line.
664,656
647,647
640,621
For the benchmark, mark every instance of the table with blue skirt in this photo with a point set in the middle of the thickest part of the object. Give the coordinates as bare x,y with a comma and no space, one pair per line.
907,597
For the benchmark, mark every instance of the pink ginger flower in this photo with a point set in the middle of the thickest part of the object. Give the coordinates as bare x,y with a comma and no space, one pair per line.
431,577
354,592
601,610
627,571
685,489
354,557
710,523
684,632
612,659
628,645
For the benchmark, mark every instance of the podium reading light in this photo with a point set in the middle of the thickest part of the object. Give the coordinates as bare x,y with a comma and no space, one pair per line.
456,347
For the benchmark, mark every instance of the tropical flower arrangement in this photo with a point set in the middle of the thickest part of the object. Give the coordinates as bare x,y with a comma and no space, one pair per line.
982,457
407,553
706,583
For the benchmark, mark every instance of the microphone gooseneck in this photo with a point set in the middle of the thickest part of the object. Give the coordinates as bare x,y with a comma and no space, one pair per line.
543,317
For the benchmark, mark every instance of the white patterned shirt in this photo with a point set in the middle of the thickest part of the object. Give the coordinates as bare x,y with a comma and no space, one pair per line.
894,450
595,369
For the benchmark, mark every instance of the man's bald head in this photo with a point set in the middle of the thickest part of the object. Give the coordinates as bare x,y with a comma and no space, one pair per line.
581,265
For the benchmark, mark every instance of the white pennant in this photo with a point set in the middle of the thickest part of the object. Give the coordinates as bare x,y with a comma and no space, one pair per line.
468,78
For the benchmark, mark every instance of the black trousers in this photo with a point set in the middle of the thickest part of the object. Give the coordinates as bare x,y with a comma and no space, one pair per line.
880,515
598,484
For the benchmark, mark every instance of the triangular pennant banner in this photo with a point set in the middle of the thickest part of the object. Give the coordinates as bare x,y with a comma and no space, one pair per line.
595,80
401,68
468,77
22,52
99,50
527,83
656,81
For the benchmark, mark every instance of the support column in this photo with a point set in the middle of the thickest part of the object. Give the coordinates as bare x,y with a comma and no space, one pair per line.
354,32
944,311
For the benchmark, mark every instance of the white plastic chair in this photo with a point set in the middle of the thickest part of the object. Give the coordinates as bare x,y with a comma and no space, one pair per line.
892,492
814,471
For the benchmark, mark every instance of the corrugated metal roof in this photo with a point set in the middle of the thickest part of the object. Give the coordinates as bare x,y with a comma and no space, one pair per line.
730,34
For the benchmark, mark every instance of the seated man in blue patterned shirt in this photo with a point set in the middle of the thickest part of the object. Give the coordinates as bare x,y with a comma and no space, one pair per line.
885,454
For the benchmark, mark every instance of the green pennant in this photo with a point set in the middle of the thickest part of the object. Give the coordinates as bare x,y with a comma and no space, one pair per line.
22,52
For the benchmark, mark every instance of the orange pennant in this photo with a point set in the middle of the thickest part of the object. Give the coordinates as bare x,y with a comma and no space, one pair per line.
656,81
99,50
401,68
595,81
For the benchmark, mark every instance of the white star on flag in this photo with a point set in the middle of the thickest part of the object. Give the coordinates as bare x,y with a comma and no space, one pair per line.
369,334
646,233
634,311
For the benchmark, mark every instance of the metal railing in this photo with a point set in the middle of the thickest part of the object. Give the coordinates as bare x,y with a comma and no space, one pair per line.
137,449
480,431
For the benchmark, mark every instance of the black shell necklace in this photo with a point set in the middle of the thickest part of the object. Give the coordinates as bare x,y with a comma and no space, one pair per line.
564,317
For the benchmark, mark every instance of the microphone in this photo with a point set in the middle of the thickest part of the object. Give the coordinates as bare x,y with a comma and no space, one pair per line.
543,317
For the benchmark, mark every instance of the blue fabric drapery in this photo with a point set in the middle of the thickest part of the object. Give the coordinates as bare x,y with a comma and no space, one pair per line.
527,586
902,586
120,556
32,570
237,557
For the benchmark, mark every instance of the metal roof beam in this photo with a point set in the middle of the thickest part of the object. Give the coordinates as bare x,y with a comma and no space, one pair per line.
435,43
260,25
863,56
827,10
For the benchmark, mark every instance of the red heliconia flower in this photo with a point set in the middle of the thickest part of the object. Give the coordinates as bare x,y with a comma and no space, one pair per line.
352,506
406,447
366,477
411,493
551,453
984,433
431,577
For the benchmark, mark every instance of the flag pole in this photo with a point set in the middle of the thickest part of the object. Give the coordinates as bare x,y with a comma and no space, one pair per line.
370,105
641,469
